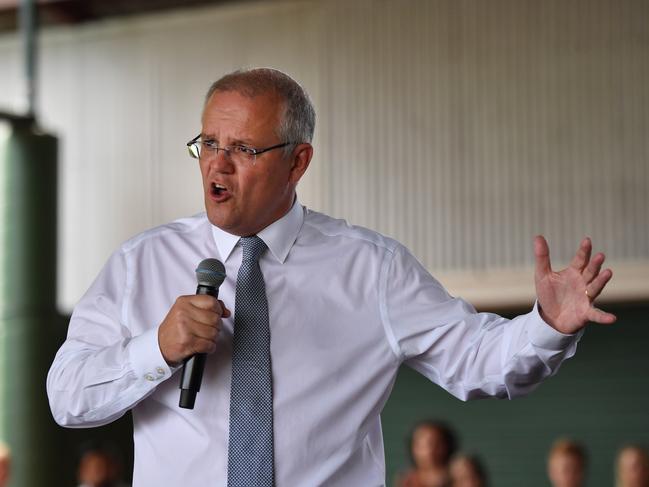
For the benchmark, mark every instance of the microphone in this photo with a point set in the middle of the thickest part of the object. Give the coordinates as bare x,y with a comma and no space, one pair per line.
210,274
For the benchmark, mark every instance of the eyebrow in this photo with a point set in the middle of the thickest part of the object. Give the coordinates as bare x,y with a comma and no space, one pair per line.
234,142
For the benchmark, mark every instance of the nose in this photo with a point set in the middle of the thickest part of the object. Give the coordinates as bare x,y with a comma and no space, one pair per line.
221,162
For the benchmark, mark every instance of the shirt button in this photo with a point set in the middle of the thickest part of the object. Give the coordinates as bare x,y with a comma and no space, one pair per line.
160,371
149,377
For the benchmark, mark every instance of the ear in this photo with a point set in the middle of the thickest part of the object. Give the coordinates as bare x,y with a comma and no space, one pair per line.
300,159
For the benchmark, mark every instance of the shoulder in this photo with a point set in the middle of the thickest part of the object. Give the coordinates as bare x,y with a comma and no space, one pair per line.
336,229
409,478
183,229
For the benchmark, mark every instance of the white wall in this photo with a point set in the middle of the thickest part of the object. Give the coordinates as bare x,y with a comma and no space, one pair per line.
462,128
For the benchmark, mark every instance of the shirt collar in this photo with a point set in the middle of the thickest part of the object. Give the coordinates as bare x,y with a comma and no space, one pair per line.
279,236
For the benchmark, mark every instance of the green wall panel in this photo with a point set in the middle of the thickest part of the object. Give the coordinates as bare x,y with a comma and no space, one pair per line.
28,181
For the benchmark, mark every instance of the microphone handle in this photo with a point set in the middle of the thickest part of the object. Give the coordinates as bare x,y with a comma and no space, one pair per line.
192,373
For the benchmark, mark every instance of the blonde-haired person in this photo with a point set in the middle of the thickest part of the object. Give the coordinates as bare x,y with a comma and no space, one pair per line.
467,471
567,464
632,467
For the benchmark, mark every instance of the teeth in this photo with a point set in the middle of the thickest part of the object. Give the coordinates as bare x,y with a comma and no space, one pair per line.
219,186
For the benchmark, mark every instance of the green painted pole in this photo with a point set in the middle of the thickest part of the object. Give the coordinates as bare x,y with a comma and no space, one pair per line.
28,214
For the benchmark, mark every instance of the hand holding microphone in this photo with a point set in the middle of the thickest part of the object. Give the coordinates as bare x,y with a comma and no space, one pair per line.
191,327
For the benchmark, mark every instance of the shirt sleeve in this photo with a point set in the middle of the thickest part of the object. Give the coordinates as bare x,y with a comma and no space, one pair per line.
469,354
101,370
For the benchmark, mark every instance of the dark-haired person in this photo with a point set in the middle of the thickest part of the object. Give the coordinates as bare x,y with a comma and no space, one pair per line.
99,466
322,316
430,446
5,464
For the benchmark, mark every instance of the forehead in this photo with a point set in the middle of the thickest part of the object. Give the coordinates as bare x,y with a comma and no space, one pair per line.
564,457
630,456
427,431
229,114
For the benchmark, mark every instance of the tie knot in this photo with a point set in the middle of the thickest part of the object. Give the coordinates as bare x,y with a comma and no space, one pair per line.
253,247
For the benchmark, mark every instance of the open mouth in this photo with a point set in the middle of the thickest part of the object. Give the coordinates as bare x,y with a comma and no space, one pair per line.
219,192
218,189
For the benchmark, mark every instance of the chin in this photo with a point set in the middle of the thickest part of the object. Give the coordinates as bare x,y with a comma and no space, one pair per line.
217,219
225,224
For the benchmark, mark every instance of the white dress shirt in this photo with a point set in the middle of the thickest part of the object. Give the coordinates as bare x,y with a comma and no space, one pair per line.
347,307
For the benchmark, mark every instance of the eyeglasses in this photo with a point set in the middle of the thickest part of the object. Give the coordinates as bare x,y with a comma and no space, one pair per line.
238,154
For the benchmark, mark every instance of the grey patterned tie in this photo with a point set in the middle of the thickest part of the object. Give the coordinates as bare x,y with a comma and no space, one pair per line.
250,451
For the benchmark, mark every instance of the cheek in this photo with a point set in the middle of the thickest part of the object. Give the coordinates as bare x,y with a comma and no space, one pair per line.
204,170
264,186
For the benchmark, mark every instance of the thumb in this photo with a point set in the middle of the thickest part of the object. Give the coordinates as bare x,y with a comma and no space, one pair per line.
542,255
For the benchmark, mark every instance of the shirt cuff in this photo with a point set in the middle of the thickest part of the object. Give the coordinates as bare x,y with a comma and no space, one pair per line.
146,358
544,336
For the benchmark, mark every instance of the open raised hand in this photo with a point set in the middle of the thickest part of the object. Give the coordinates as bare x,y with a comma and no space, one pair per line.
566,297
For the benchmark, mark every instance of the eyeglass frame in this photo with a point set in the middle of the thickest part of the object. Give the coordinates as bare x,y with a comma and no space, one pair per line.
253,151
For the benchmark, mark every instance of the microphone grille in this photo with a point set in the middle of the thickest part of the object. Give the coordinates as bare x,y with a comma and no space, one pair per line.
210,272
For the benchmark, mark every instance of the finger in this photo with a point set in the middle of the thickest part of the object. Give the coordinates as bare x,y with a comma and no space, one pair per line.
205,301
211,303
593,267
581,258
596,315
206,317
542,254
597,285
225,312
202,301
201,345
205,332
178,340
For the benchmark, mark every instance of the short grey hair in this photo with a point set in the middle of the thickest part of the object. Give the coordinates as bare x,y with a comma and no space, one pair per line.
297,123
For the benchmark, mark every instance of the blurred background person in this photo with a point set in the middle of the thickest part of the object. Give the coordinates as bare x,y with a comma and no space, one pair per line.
5,464
100,466
567,464
632,467
430,446
467,471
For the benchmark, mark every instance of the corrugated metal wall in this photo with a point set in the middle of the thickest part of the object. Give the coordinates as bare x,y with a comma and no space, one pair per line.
467,127
461,127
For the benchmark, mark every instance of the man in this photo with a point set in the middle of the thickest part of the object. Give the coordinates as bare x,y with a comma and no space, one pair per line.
567,464
339,309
